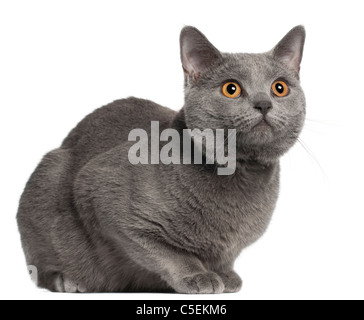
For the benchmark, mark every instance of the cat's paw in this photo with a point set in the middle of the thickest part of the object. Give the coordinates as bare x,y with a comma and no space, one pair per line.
232,281
203,283
66,285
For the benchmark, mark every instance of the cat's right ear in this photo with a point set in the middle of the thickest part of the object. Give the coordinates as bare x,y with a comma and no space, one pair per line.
197,53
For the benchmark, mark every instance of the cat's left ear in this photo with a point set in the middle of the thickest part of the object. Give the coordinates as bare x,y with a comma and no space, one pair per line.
197,53
289,50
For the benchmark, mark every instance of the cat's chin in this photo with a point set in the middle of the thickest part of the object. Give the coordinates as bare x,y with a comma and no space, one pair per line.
263,128
261,134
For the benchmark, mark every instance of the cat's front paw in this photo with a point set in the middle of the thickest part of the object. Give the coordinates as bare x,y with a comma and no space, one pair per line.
203,283
232,281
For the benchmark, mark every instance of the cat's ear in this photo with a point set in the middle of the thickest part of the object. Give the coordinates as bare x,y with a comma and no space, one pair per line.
289,50
197,53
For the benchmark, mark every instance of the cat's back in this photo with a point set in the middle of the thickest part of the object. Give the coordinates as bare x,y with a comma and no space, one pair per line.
109,126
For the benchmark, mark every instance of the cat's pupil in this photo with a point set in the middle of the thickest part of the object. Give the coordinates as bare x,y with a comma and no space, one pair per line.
279,88
231,89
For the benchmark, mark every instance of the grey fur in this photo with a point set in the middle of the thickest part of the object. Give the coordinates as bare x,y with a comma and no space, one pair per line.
92,222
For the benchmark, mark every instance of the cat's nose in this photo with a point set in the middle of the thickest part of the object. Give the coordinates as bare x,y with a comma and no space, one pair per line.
263,106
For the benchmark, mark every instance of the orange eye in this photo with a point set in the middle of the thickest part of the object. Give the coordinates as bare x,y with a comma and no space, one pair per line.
280,89
231,90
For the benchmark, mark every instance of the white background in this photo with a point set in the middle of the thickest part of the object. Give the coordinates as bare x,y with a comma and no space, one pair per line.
59,60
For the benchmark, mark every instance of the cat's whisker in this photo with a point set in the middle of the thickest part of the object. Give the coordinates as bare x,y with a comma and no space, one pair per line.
313,157
308,127
239,121
281,121
322,122
280,116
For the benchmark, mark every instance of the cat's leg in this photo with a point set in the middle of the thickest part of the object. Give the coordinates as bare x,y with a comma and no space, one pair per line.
184,273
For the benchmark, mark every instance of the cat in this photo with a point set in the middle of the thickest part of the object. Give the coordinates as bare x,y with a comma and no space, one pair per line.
90,221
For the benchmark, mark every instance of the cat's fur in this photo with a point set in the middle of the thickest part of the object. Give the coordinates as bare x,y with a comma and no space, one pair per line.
92,222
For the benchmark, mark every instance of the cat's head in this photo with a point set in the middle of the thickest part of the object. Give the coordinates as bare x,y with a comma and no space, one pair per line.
259,95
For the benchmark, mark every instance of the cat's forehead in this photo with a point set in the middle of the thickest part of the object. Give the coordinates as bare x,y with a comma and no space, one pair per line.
250,67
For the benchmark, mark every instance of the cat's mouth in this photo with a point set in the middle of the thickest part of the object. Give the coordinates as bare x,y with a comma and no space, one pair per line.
263,124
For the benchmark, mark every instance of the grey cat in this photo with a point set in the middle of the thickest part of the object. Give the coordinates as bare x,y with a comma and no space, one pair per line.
92,222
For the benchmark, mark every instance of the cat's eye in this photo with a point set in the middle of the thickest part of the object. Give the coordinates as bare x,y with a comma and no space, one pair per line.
280,89
231,90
